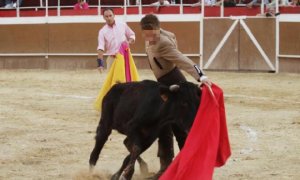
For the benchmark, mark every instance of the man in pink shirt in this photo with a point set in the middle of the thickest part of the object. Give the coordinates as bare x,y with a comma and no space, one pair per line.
110,38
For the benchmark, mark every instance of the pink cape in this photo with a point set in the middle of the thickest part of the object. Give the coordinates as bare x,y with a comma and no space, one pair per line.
124,50
207,145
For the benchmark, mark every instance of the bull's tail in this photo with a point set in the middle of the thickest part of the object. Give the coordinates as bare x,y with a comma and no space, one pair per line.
103,131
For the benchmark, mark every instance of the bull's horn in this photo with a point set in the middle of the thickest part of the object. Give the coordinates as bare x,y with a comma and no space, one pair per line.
174,87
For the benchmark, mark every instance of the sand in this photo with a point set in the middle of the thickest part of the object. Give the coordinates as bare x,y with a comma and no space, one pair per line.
47,126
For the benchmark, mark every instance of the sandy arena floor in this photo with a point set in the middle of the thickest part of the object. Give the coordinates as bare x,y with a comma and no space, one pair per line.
48,125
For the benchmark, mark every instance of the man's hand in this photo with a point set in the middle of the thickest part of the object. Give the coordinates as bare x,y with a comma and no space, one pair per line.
100,65
205,81
131,41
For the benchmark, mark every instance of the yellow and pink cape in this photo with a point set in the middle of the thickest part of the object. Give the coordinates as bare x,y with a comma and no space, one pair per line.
123,69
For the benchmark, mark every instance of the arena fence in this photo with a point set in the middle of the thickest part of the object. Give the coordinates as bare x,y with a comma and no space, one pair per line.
251,43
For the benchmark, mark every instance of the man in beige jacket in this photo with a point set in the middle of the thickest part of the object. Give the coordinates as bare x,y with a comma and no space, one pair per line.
166,61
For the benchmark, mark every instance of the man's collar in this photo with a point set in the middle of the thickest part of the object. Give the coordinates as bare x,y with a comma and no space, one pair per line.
111,26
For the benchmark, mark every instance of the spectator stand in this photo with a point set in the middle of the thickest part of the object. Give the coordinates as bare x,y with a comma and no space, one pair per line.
37,8
61,11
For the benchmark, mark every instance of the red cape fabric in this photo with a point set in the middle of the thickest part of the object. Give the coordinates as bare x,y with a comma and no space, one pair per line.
207,145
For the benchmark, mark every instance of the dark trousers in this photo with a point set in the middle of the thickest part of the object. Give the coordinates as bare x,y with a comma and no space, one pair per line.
165,141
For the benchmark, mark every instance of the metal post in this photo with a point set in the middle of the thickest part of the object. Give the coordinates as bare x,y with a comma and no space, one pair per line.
201,34
140,7
99,7
125,8
18,8
262,10
181,7
277,6
47,10
277,30
202,7
222,8
58,8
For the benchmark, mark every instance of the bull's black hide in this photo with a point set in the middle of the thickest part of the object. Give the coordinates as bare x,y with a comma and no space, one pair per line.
139,110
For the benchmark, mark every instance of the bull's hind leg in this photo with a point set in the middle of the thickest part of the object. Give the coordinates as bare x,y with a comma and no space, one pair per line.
129,170
142,163
103,131
136,148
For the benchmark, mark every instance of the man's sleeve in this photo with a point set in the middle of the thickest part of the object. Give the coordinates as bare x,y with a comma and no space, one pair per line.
170,53
101,41
129,32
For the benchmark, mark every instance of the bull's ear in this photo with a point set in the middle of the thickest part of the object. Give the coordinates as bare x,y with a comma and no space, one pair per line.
164,92
164,97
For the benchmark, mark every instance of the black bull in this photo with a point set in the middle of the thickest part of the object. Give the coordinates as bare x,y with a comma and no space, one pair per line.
139,110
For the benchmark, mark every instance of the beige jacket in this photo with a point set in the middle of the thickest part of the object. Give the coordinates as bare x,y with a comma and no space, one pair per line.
164,56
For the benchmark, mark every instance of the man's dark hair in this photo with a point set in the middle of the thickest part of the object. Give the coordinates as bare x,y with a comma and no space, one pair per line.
108,9
150,22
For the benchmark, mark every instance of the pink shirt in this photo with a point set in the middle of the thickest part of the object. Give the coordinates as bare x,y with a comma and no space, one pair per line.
79,6
111,38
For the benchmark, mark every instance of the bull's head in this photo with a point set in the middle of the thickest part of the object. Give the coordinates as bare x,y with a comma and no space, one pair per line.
181,102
